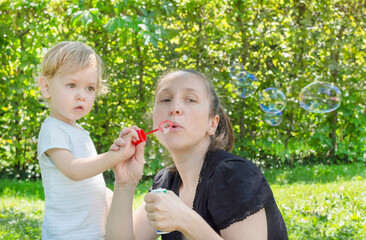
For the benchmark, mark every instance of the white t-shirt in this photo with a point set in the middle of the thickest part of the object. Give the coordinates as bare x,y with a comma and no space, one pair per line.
73,209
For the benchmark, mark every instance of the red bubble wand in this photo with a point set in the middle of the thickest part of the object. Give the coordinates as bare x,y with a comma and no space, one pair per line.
164,126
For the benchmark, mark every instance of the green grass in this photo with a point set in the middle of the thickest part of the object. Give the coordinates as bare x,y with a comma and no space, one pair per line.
322,202
318,202
21,209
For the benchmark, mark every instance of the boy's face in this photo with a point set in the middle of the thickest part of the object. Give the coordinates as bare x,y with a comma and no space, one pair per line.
71,95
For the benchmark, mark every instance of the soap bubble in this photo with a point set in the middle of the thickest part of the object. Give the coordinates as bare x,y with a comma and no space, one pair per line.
272,100
236,71
320,97
273,119
244,84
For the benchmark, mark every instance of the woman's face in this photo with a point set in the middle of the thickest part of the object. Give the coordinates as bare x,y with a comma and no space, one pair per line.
182,98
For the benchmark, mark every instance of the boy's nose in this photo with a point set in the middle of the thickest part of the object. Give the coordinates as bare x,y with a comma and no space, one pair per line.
80,95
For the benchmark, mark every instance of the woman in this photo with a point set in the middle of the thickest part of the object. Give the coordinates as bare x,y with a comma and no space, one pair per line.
211,194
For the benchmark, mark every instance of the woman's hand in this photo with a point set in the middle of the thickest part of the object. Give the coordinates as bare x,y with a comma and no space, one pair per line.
130,170
166,211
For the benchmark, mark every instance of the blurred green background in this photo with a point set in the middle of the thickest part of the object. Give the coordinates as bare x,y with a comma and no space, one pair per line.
285,44
315,163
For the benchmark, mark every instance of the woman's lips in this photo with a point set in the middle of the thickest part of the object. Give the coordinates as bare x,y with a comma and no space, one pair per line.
175,124
176,127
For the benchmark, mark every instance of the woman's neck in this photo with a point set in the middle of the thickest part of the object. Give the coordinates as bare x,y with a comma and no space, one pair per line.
189,164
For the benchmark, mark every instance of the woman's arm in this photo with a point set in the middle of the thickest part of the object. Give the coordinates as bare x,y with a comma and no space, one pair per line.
119,220
254,227
194,227
109,194
143,231
121,223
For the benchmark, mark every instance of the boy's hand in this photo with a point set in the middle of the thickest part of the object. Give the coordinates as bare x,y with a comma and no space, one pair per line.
117,144
120,142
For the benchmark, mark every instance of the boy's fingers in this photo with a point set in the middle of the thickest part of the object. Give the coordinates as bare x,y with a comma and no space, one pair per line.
133,134
120,142
135,127
114,147
129,133
124,131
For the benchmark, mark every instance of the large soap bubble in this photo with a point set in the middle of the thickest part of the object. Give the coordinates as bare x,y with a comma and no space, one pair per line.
272,100
320,97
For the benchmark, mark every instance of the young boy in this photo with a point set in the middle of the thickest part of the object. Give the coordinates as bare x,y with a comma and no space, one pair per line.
76,197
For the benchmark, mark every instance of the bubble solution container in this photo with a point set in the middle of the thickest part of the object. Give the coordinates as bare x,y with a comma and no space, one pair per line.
159,190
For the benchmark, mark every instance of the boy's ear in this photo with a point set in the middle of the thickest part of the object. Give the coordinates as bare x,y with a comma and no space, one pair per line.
44,84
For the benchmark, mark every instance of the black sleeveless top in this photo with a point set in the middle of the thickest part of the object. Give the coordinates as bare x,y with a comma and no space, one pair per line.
229,190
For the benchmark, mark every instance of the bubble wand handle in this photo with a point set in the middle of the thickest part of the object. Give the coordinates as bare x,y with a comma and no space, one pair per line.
142,135
153,131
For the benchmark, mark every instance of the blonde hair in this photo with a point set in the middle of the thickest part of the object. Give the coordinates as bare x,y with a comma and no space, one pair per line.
223,139
72,56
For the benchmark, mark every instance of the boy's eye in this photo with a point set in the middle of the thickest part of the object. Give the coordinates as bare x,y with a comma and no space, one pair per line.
91,89
71,85
192,100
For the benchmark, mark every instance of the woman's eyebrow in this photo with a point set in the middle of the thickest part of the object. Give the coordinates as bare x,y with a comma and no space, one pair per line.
188,89
191,90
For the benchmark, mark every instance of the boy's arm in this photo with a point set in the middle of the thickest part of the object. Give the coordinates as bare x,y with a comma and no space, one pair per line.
83,168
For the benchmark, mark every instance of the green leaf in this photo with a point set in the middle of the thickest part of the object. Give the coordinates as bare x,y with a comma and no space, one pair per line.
113,24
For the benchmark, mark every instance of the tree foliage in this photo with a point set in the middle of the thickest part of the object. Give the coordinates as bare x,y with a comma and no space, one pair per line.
285,44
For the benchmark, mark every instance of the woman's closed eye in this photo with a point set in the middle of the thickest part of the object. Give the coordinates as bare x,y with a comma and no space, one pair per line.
163,100
191,99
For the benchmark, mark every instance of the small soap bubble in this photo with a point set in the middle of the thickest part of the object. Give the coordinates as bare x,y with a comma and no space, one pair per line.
184,57
320,97
272,100
273,119
236,71
246,85
243,83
